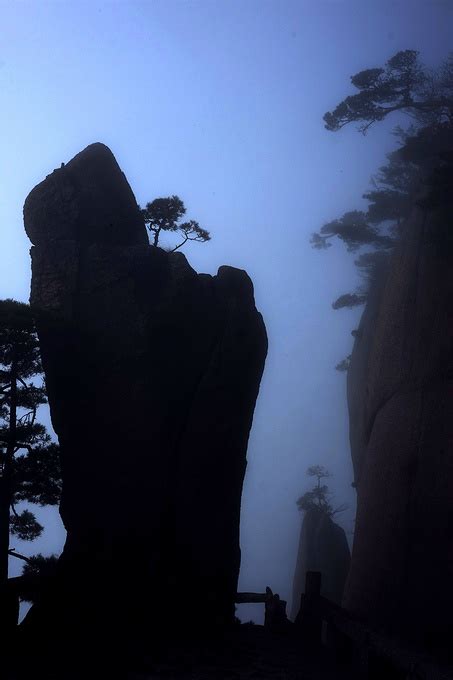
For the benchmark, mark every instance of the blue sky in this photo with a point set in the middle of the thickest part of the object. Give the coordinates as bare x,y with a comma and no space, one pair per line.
221,102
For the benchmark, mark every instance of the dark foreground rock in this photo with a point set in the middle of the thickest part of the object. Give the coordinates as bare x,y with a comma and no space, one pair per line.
323,547
152,373
401,405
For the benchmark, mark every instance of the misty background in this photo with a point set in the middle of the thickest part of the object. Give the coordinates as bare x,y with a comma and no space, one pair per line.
221,103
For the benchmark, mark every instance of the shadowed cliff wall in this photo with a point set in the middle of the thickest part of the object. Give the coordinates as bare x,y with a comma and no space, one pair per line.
400,395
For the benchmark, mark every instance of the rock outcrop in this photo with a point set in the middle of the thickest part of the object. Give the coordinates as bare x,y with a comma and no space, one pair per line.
401,403
152,373
323,547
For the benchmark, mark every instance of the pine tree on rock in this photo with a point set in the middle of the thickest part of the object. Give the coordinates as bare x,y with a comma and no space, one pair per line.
422,165
164,214
319,497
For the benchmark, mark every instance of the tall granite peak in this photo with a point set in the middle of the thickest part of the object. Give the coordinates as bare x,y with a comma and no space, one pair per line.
66,205
400,395
152,372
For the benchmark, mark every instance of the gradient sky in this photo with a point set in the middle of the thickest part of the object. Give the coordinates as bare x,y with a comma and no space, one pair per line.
221,102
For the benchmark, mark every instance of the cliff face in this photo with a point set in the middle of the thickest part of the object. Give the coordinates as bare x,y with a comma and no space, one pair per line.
401,403
152,373
322,547
357,373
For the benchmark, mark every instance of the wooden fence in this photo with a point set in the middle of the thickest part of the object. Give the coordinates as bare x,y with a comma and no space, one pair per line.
374,655
274,608
319,622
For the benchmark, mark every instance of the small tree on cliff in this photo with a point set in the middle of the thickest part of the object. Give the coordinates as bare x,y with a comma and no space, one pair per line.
403,85
318,498
393,192
164,214
29,462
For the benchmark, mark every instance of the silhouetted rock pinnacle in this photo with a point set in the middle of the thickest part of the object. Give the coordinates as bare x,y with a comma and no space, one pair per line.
152,373
322,547
88,200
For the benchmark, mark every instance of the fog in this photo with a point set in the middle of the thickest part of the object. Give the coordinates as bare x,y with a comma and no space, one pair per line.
221,103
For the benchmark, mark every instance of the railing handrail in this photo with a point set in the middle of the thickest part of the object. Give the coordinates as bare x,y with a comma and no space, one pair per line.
246,598
401,655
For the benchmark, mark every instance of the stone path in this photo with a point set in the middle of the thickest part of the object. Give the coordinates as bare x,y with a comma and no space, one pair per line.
252,653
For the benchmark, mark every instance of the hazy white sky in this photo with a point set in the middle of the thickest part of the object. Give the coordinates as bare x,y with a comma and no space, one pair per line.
221,102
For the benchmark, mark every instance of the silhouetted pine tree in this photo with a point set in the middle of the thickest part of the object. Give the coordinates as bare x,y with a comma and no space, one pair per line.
424,161
29,461
319,497
164,214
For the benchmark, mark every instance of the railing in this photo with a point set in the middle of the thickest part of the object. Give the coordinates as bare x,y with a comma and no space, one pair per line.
370,650
274,608
319,621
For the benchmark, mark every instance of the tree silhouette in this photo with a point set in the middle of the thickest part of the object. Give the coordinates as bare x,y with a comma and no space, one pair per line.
393,192
164,214
29,461
404,85
423,163
344,364
37,570
318,498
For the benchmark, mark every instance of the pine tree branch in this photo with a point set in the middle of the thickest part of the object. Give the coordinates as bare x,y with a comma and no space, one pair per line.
181,244
13,553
